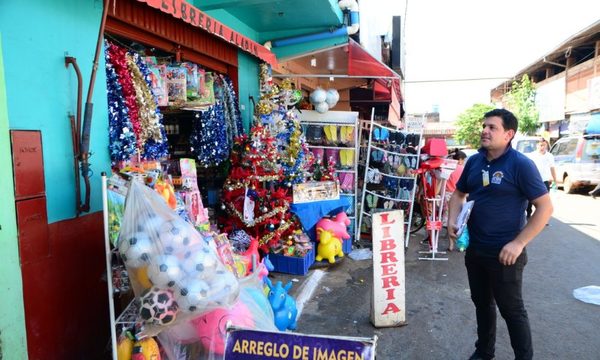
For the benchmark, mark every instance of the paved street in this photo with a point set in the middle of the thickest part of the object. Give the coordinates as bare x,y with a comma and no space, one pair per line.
440,314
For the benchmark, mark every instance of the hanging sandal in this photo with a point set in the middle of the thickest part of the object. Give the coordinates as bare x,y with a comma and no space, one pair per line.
332,156
330,133
346,182
347,158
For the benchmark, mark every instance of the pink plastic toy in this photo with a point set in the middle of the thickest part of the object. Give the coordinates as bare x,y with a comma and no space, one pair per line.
211,327
338,226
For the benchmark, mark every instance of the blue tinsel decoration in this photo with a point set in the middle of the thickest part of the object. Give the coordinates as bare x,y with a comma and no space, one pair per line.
122,141
208,140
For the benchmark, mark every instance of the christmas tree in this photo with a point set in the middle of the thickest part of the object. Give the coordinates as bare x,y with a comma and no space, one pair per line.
265,165
254,195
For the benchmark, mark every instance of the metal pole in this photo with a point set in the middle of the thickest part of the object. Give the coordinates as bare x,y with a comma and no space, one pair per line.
108,256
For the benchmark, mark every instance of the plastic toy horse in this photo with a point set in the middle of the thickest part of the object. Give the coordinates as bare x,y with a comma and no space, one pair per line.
284,306
338,226
329,247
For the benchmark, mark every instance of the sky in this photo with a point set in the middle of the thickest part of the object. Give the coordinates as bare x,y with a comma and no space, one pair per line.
466,39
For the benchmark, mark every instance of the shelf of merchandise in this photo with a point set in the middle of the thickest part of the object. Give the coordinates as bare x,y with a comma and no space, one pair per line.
369,146
338,119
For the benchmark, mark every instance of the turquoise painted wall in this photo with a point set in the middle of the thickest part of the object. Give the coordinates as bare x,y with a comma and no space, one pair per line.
41,91
13,341
248,86
248,66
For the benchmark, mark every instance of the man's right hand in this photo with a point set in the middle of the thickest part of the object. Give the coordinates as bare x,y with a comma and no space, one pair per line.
452,231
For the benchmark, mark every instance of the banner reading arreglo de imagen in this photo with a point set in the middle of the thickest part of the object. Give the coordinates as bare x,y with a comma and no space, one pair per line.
254,344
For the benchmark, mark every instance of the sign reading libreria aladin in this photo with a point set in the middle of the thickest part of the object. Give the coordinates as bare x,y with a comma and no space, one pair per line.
253,344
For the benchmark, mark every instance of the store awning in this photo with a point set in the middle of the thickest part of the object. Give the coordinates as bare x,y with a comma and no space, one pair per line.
361,63
181,9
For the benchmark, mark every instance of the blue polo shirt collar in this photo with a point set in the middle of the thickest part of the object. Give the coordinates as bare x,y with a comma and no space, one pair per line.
483,152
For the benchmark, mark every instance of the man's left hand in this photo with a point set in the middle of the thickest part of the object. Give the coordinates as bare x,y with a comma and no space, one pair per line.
510,252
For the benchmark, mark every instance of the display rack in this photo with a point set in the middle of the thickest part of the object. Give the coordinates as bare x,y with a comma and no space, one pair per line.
321,141
391,160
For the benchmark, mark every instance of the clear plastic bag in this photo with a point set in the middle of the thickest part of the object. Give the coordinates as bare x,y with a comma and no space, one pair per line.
175,272
203,337
589,294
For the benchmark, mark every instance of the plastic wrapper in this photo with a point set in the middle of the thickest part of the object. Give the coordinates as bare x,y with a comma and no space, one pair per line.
204,337
175,271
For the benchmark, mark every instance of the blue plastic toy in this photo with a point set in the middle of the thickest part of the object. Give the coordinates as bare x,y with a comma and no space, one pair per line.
284,306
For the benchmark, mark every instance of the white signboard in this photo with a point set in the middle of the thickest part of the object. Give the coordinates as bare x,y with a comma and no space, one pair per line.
414,124
388,306
550,100
594,98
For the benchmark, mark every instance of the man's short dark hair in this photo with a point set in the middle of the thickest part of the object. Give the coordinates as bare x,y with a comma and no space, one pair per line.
509,120
459,155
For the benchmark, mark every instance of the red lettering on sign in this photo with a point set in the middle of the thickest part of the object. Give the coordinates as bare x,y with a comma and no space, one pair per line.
385,220
390,281
390,294
391,307
389,269
388,244
387,257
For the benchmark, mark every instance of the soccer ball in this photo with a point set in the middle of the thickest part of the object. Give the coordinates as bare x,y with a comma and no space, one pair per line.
201,263
136,250
224,288
174,237
158,306
150,224
192,295
164,271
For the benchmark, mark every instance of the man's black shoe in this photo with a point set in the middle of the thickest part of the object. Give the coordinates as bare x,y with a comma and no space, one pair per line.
476,356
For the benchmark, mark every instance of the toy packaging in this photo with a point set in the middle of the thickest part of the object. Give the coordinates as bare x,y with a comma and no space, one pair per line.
176,85
158,78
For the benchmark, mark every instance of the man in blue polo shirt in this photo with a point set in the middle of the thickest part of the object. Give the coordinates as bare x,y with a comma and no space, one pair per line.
501,181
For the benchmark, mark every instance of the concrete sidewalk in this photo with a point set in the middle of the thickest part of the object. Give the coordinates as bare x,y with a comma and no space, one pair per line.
440,315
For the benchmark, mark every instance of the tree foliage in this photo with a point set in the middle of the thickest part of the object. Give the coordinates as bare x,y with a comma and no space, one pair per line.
468,125
521,101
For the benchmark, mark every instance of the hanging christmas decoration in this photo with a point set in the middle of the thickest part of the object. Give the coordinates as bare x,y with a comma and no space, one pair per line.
122,141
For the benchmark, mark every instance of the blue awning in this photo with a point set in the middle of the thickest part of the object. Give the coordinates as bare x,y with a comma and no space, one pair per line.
593,127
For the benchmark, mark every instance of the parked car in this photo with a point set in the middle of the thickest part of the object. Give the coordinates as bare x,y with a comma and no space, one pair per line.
577,161
525,144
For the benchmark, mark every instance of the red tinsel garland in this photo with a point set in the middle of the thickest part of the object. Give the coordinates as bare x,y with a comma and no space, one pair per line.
119,61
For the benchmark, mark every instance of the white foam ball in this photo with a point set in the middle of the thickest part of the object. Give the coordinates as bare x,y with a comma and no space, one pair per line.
332,97
317,96
322,108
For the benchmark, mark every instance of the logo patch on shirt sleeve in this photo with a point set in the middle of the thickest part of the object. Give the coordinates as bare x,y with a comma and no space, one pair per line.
497,177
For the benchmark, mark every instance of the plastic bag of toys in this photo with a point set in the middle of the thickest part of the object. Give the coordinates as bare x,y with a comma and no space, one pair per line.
203,337
175,271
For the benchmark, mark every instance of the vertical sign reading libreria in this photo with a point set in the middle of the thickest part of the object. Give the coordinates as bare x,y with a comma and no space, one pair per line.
388,301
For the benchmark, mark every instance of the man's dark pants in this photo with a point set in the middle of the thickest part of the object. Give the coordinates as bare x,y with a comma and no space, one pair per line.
492,283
